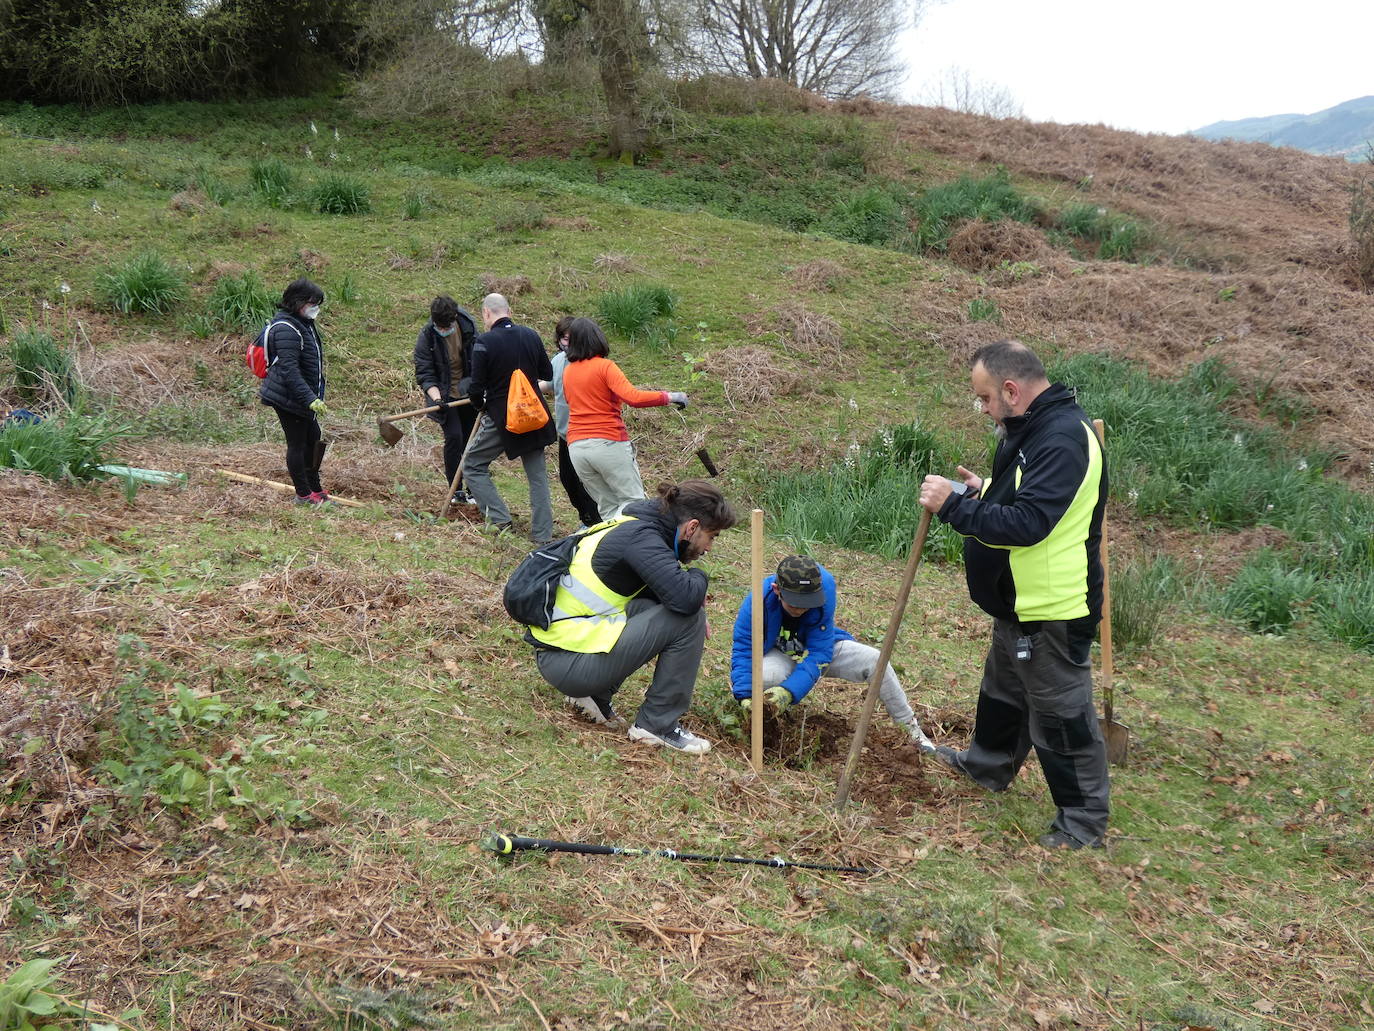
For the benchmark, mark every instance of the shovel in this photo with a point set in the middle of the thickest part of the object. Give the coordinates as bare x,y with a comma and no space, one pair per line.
392,436
1117,735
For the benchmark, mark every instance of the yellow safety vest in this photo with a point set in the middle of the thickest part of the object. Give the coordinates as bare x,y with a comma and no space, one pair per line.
588,616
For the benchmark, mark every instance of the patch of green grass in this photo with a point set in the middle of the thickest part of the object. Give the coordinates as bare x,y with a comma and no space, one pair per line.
868,500
632,311
1117,237
1344,610
1267,593
875,216
941,209
146,283
341,195
1143,593
273,180
44,173
42,366
241,302
66,447
417,203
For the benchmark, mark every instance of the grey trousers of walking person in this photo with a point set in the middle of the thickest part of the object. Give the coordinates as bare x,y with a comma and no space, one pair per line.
853,661
608,470
1045,701
652,630
485,449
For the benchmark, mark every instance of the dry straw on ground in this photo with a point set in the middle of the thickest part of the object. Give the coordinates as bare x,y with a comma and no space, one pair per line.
507,286
820,275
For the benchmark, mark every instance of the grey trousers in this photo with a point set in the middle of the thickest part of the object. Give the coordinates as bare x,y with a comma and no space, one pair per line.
1046,701
852,661
678,642
485,449
607,469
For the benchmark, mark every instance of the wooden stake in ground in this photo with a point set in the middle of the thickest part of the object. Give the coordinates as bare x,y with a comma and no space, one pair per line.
458,476
278,485
756,635
856,746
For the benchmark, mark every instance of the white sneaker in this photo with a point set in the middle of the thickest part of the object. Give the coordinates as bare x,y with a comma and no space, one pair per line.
593,709
682,740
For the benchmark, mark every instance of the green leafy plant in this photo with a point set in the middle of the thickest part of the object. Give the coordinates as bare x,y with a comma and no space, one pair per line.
348,292
42,366
1142,594
241,302
147,283
341,195
273,180
213,187
416,203
1117,237
984,309
874,216
29,1001
1344,609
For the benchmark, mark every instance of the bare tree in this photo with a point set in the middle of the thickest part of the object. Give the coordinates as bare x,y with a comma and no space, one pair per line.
840,48
959,91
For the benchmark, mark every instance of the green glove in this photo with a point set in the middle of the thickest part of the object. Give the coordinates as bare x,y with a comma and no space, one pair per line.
319,407
747,704
779,696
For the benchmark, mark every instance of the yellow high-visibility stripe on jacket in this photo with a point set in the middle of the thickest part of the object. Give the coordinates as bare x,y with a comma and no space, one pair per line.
588,616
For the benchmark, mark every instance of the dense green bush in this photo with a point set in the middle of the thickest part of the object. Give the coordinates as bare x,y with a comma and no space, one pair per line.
147,283
274,180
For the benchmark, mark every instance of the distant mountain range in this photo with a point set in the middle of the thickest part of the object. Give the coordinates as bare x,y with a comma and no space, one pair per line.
1346,129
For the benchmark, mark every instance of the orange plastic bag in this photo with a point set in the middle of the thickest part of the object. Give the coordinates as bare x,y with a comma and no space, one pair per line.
525,411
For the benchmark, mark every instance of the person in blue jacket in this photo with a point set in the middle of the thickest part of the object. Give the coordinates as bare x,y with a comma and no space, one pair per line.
803,644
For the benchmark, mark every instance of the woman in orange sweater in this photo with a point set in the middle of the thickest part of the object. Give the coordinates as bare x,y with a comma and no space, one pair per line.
598,442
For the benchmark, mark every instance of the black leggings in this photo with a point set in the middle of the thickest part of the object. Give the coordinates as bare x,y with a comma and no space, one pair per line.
302,450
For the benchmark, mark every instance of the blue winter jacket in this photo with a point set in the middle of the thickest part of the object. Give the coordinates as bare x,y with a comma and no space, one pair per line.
817,633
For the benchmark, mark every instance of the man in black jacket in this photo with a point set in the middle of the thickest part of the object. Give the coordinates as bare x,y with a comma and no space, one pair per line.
443,354
628,600
1032,558
499,352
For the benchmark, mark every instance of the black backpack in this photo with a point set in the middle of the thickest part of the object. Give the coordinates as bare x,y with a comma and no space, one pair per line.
532,587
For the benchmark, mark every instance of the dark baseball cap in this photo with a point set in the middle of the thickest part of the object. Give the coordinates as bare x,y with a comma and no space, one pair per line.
799,582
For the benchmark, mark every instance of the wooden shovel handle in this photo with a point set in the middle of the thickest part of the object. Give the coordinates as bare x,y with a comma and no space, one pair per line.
424,411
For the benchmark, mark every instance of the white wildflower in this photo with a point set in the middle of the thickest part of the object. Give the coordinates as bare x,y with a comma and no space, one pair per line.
308,153
1302,465
336,134
1134,495
333,155
1238,440
854,405
313,130
95,206
64,288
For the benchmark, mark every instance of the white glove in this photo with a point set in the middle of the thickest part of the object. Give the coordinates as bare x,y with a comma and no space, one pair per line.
677,397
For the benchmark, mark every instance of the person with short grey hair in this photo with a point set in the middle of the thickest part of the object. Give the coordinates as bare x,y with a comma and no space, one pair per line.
497,354
1033,561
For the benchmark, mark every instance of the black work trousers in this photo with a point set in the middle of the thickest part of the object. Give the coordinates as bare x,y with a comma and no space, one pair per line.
302,450
1045,701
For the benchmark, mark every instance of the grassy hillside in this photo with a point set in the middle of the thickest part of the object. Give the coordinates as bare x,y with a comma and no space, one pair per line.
249,750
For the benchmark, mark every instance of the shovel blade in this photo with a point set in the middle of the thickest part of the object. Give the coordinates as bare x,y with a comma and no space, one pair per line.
391,436
1118,738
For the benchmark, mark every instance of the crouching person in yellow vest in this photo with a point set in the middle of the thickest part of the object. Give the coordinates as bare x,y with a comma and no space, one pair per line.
628,598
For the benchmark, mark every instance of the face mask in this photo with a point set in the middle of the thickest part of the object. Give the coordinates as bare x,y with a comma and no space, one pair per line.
445,332
311,311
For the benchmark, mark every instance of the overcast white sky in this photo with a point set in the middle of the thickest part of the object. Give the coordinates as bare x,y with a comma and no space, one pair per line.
1150,65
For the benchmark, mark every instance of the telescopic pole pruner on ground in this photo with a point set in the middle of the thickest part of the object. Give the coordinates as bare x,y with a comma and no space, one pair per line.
856,747
506,844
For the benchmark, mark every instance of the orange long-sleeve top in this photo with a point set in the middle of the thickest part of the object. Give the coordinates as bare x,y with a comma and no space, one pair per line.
595,388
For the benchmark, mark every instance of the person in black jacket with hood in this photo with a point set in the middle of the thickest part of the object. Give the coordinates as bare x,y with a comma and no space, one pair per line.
443,356
294,385
1032,558
502,349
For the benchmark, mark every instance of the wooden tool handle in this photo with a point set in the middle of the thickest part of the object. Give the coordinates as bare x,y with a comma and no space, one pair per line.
756,636
424,411
278,485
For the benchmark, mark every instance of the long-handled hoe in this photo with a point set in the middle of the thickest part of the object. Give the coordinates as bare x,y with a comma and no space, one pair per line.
391,436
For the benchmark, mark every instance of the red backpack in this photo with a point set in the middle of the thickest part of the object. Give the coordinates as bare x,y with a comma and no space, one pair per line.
256,356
